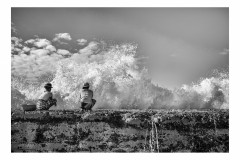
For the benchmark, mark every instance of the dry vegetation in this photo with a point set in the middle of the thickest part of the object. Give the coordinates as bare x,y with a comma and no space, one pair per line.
121,131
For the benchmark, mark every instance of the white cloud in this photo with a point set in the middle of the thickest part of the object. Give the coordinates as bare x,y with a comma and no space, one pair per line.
82,42
56,56
42,43
38,62
30,41
63,52
16,41
17,49
16,45
62,36
50,48
26,49
35,64
39,52
36,36
13,28
91,48
31,44
33,48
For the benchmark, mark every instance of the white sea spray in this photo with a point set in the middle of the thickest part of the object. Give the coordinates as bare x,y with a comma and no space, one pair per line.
117,82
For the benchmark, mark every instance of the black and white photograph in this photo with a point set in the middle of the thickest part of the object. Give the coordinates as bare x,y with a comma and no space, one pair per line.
120,79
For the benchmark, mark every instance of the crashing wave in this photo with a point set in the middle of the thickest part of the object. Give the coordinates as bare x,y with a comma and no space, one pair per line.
118,83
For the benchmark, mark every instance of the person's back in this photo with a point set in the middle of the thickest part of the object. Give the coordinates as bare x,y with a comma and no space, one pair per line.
46,100
46,95
86,95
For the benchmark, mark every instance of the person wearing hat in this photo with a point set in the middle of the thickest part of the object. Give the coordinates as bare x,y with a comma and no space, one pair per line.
86,97
46,100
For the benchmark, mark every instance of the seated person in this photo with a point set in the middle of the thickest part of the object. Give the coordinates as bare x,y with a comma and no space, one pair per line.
86,97
46,101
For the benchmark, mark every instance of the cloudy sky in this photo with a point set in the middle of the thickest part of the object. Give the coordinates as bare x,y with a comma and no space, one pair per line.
180,44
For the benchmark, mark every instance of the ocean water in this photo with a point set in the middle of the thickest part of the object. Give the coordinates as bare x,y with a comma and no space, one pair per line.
117,81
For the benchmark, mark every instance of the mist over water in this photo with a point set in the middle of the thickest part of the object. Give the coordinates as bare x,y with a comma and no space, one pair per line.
118,82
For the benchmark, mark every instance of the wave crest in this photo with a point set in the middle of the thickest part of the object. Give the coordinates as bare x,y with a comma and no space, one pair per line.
118,82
